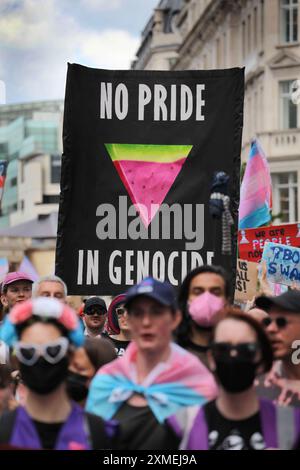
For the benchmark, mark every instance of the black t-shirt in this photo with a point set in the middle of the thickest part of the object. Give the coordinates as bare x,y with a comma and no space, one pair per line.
226,434
120,346
139,430
198,351
48,433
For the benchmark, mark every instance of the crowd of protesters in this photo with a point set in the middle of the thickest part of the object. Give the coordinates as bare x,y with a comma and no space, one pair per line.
151,371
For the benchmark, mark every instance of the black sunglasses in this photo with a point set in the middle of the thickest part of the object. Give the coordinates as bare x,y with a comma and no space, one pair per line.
224,351
95,311
120,311
281,322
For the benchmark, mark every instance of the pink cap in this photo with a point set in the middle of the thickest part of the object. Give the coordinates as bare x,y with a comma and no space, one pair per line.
13,277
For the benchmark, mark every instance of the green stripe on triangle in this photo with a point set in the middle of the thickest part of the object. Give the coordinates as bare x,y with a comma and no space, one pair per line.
148,152
148,172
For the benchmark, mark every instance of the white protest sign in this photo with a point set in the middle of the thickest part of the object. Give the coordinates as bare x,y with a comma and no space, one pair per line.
283,264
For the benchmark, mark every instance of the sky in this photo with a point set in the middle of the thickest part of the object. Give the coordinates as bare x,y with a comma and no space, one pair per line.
39,37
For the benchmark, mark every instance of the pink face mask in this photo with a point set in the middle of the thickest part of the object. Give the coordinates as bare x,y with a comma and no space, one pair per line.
204,308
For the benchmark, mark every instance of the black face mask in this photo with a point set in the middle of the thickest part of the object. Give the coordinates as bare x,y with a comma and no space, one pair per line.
43,377
77,386
234,375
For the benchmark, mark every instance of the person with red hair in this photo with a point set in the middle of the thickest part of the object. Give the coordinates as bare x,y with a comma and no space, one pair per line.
117,324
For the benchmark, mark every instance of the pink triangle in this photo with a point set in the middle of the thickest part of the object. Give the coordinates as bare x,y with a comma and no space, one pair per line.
148,183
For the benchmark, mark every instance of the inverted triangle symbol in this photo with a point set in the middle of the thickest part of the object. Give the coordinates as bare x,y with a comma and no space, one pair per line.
148,172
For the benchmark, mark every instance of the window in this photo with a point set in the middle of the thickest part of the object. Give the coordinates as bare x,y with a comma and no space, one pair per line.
262,22
13,182
285,196
255,112
3,148
218,53
55,168
249,34
255,28
224,50
22,172
244,39
288,110
289,20
14,156
250,135
50,199
172,61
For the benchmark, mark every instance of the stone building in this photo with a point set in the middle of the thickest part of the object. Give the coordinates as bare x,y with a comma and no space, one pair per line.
263,37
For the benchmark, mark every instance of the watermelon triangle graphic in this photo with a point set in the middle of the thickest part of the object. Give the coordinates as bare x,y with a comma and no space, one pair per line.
148,172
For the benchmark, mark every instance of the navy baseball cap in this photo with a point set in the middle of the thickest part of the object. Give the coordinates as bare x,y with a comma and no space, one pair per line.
94,302
162,292
289,302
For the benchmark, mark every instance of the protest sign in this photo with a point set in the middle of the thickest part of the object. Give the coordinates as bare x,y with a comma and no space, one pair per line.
140,152
251,241
282,263
246,280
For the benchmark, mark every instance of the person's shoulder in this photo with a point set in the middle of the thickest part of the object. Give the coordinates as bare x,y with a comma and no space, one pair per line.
183,353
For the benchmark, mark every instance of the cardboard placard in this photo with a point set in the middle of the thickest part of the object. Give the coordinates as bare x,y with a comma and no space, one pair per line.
246,280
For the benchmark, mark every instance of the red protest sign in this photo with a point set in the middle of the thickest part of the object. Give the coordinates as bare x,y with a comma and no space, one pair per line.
252,240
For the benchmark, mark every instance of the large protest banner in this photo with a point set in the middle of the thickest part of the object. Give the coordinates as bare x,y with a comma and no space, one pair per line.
282,263
140,152
251,241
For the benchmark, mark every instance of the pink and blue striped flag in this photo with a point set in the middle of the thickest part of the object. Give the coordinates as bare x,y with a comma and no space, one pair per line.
180,381
256,190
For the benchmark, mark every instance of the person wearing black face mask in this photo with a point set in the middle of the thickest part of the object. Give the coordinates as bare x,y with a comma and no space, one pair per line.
95,353
238,419
44,333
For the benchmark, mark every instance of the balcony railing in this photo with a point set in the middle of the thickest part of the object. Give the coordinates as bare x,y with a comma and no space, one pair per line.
277,144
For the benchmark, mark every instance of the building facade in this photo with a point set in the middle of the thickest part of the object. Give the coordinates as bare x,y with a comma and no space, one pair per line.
264,37
30,139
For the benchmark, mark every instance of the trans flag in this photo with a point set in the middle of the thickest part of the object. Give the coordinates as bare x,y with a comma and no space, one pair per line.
256,190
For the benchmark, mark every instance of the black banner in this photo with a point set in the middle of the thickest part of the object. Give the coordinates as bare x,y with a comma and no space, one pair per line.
140,152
